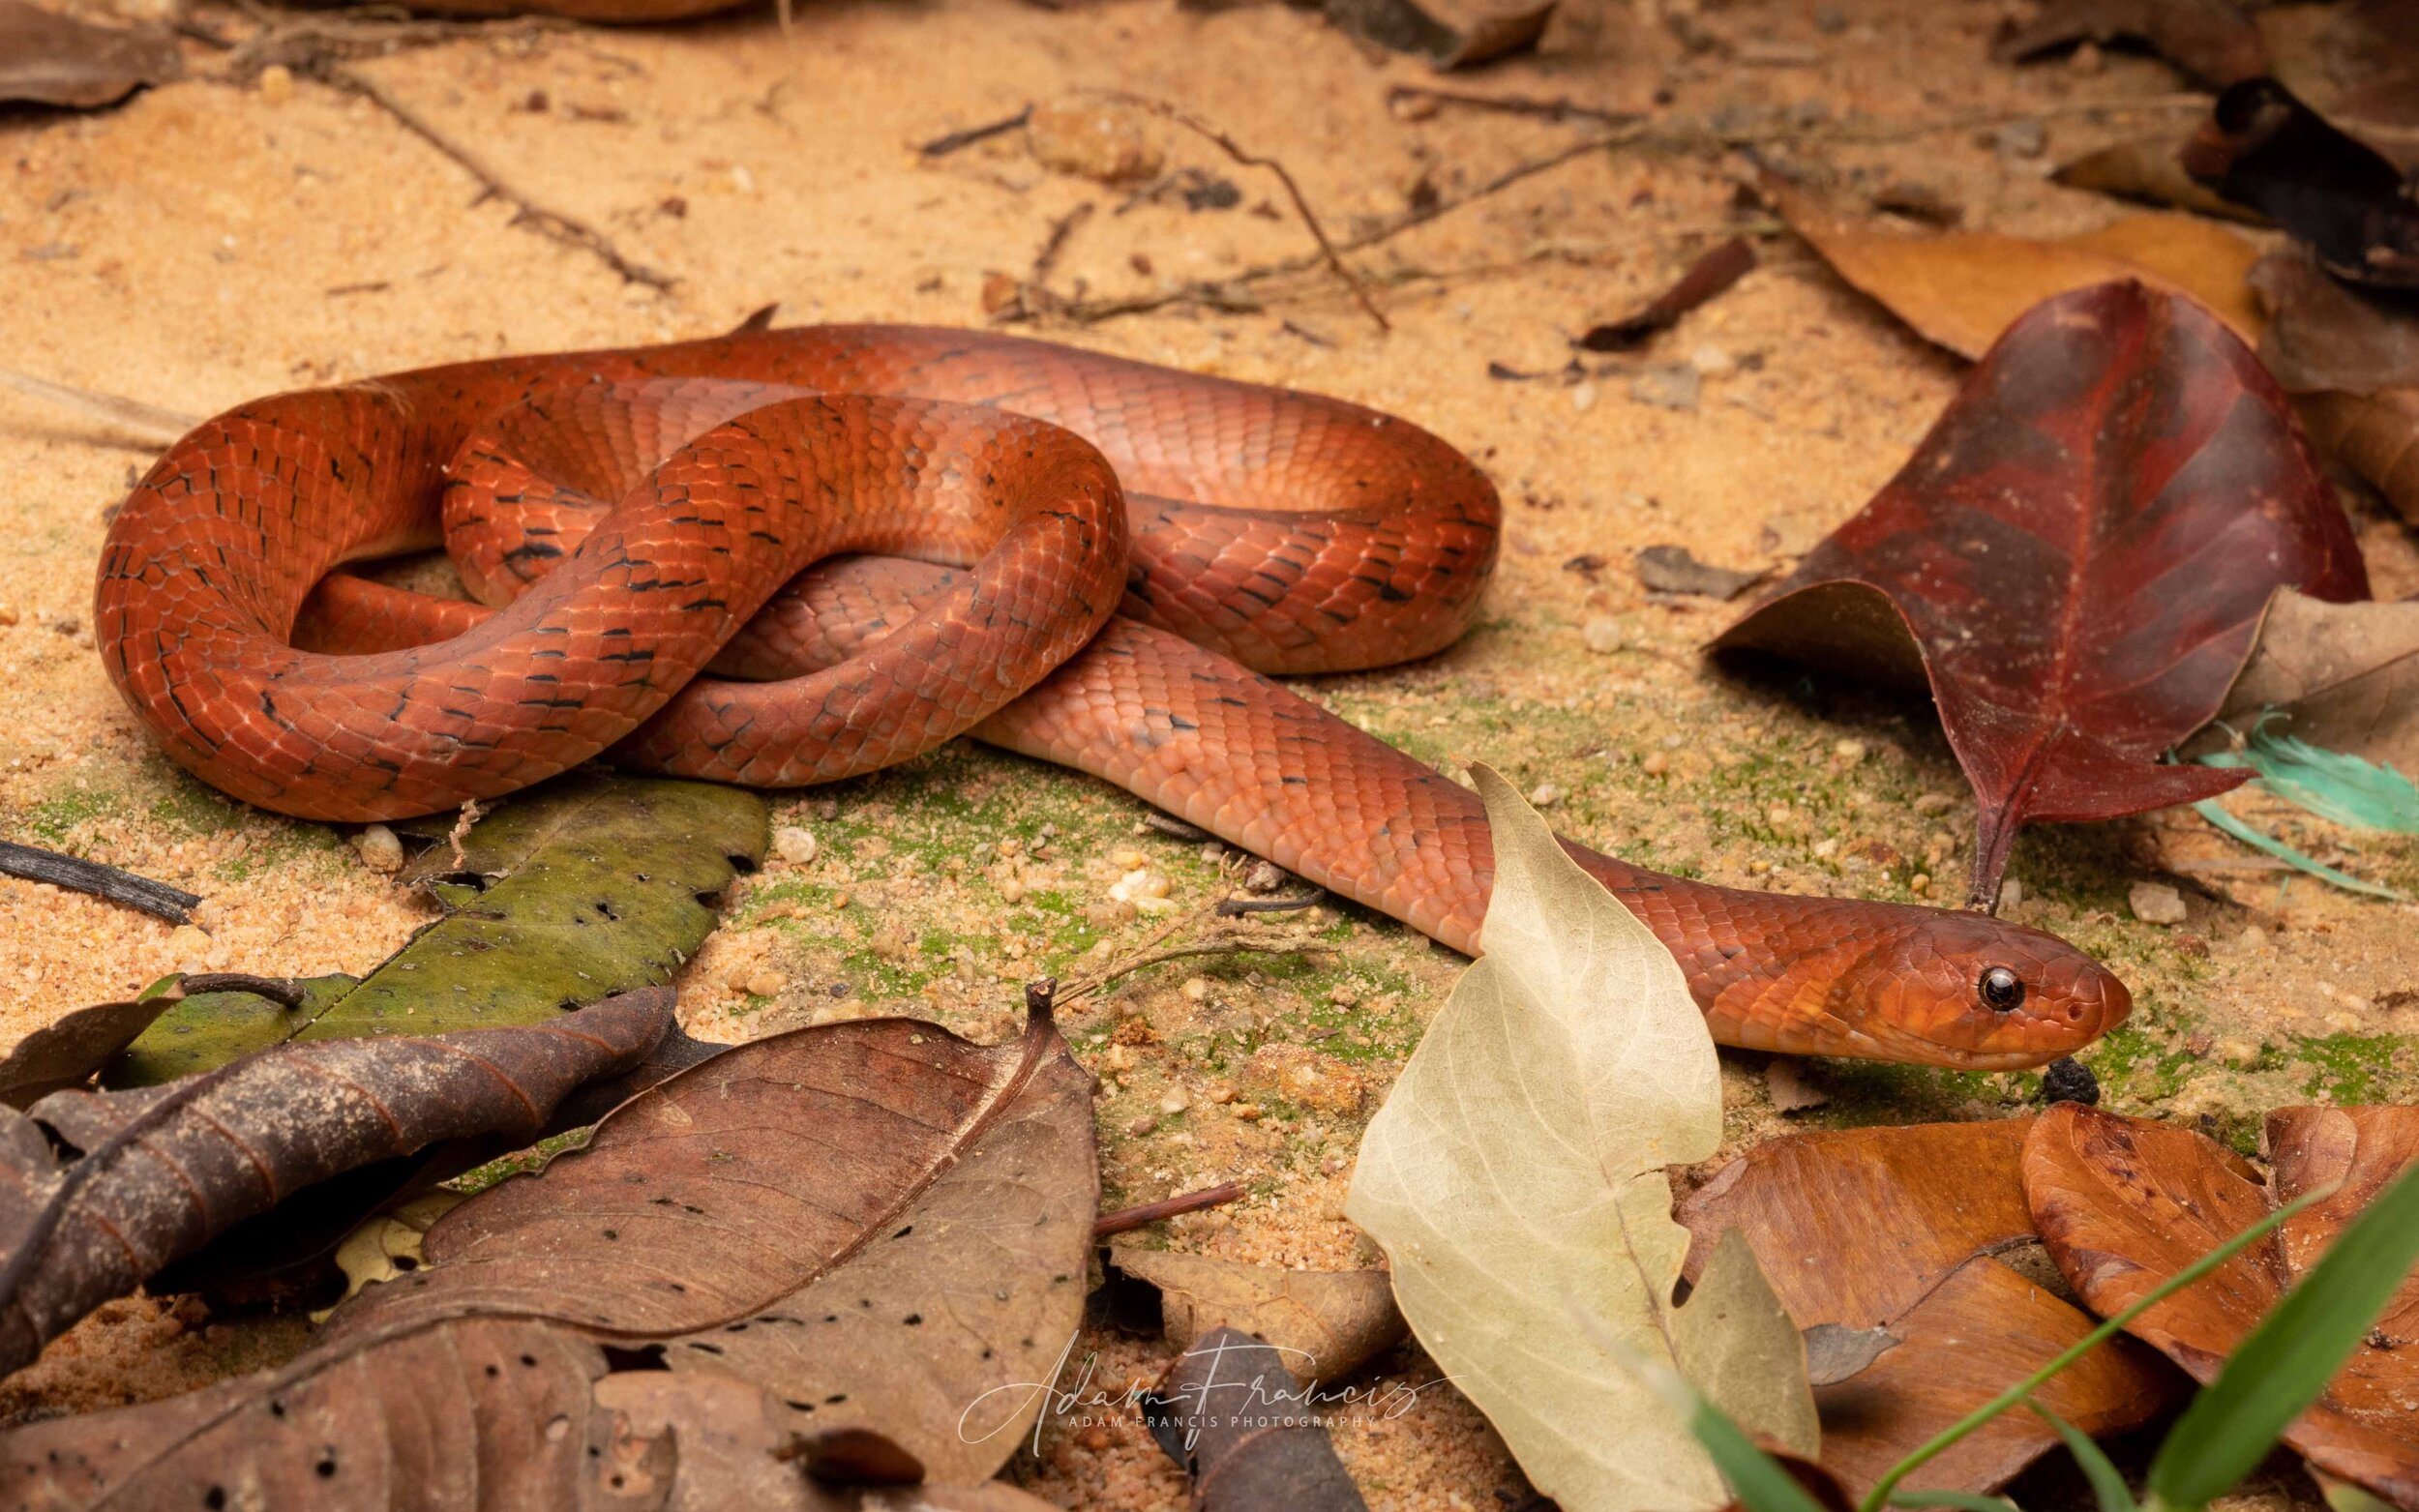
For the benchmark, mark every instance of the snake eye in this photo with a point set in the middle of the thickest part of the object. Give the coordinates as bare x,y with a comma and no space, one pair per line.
2002,990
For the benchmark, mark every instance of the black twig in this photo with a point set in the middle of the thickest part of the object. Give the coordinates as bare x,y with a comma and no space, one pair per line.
955,141
157,899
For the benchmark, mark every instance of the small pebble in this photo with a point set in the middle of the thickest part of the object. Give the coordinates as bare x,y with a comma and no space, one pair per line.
2021,140
1712,361
766,982
1849,752
379,849
277,83
1920,884
1249,1112
1656,764
2235,1051
1583,398
8,614
1196,989
1219,1092
2087,59
2069,1080
2156,903
1173,1100
2252,937
1544,795
1126,858
2010,895
793,845
1934,803
1601,636
1668,386
1266,877
1142,1125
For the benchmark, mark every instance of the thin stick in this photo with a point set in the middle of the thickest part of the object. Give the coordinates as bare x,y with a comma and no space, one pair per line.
954,141
1252,160
145,422
157,899
1681,136
1127,1219
1062,230
555,224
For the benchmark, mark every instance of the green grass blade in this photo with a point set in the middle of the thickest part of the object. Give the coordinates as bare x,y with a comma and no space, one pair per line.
2334,784
2207,809
1965,1500
2289,1358
2107,1486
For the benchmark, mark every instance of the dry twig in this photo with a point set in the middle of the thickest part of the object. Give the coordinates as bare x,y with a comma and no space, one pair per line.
157,899
1252,160
1127,1219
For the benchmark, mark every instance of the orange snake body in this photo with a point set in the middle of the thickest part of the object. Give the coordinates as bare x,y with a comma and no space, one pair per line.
1101,550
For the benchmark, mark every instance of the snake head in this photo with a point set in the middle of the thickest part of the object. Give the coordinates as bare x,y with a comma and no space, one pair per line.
1890,982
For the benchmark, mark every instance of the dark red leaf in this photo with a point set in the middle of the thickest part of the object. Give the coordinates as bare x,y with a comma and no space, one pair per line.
2076,559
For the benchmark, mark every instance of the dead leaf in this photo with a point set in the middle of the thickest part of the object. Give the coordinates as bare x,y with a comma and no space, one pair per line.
1785,1083
2372,51
1963,289
67,1050
1674,569
1834,1354
2332,193
1519,1164
2352,359
1706,279
2027,563
1895,1233
1242,1427
2146,169
878,1221
2211,39
1328,1323
155,1173
846,1244
2347,675
1449,34
51,59
2125,1204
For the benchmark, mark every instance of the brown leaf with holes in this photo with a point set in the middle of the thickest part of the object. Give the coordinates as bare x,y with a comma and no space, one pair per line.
157,1172
2212,40
1246,1430
47,58
1963,289
2076,561
2124,1203
1328,1323
835,1256
883,1225
1909,1230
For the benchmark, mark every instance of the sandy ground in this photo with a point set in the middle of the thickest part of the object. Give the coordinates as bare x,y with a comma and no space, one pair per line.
212,241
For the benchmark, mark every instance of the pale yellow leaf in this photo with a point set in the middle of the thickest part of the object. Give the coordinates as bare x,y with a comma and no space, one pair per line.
1517,1171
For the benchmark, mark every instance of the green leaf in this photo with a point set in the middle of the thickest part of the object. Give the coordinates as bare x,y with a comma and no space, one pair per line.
2289,1358
209,1029
573,891
2107,1485
2333,785
1965,1499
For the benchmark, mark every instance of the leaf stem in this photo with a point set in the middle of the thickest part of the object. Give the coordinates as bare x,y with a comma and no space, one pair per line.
1879,1497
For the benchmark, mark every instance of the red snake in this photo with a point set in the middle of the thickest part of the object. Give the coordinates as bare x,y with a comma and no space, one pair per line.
1100,544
